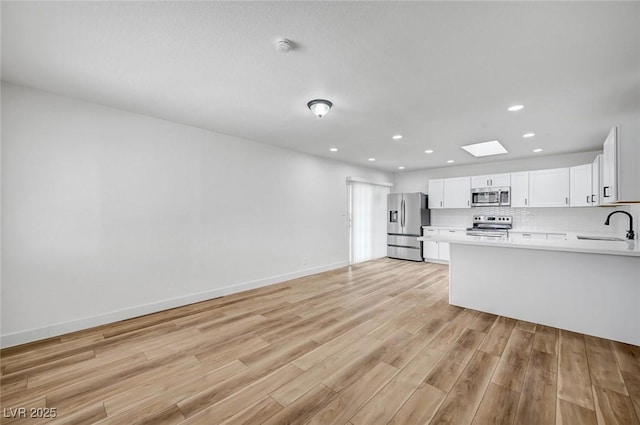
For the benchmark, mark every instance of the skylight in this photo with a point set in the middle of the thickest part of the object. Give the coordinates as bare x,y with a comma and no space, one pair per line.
492,147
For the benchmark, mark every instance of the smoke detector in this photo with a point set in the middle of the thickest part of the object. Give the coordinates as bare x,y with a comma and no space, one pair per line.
284,46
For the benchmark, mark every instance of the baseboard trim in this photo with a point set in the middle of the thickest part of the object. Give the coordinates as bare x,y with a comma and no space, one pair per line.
58,329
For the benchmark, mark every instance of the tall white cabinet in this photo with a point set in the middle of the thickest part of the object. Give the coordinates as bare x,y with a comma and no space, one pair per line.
620,169
609,192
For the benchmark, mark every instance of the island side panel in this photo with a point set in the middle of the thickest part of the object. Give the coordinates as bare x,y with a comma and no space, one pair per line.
593,294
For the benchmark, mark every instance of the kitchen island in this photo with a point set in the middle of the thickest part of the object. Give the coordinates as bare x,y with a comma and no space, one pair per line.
592,287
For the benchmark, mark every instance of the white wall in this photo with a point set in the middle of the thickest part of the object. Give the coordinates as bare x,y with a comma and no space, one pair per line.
108,215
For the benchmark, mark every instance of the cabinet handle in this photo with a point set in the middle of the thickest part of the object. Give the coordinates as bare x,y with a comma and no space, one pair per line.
593,198
452,231
440,203
566,200
588,199
525,201
526,235
604,191
467,202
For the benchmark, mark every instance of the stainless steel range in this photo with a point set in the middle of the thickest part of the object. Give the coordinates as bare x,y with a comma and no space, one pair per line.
494,226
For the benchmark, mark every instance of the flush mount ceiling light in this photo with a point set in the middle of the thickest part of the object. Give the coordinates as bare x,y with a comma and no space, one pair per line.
333,149
492,147
319,107
397,137
372,159
401,168
450,161
515,108
527,135
283,45
429,151
537,150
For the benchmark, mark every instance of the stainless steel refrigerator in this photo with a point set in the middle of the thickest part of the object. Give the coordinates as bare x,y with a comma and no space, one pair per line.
406,214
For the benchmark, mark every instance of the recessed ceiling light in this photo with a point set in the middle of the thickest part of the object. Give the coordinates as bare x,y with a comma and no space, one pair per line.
333,149
450,161
429,151
492,147
515,108
537,150
401,168
397,137
372,159
527,135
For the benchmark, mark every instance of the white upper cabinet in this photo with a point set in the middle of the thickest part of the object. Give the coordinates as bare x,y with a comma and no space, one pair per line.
596,179
609,171
621,165
580,186
549,188
520,189
492,180
436,193
457,192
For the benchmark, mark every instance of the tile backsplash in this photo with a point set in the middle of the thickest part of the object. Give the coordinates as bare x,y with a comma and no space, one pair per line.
549,219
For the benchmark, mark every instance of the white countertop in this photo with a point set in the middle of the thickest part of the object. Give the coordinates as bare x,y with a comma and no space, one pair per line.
572,243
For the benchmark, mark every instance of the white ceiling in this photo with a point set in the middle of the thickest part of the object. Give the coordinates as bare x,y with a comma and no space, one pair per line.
442,74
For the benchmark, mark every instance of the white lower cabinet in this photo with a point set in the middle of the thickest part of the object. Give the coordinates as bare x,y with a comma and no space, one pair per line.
438,251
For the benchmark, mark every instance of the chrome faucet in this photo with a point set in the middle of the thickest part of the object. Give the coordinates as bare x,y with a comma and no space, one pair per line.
630,234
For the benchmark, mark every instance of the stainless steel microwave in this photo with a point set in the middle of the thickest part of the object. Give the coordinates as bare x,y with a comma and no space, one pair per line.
491,197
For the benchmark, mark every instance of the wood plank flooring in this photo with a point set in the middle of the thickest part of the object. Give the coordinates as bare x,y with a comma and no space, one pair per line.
375,343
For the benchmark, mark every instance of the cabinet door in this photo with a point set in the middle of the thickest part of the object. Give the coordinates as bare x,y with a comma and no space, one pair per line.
430,250
443,251
580,186
609,164
549,188
492,180
595,181
436,193
457,192
480,181
520,189
499,180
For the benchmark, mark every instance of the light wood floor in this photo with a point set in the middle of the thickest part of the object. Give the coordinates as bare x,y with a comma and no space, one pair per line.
376,343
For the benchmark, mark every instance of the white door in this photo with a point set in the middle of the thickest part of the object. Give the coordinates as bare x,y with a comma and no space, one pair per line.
596,169
580,186
549,188
368,218
457,192
436,194
520,189
500,180
609,185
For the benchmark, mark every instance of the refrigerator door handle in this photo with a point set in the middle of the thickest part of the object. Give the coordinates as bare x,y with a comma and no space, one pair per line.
402,215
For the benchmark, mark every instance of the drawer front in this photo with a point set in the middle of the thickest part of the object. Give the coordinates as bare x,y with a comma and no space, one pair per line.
410,241
412,254
528,235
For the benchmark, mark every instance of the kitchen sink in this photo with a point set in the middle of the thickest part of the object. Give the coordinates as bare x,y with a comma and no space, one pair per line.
600,238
